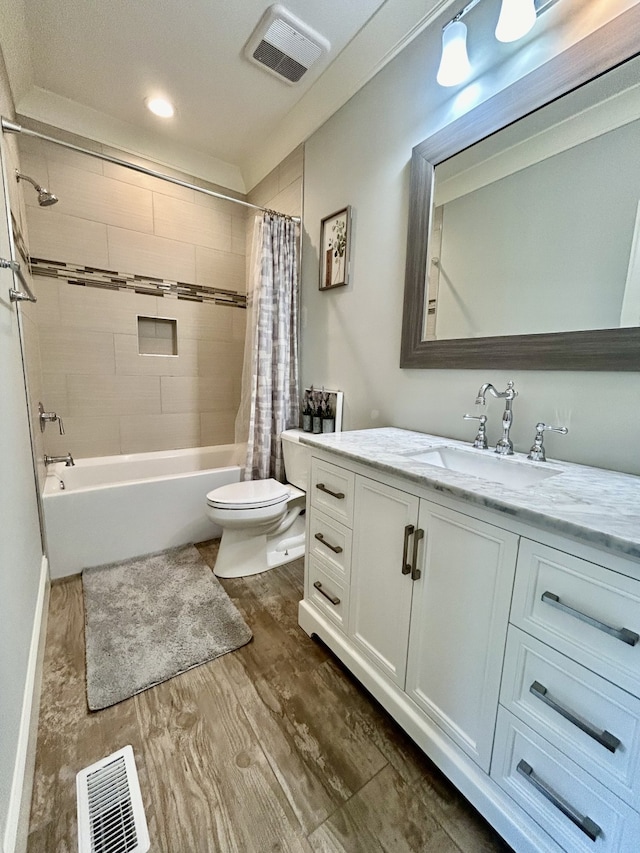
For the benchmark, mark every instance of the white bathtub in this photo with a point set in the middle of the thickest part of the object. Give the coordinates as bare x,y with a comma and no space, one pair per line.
116,507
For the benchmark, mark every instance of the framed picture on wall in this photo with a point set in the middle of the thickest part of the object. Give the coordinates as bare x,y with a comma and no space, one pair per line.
335,245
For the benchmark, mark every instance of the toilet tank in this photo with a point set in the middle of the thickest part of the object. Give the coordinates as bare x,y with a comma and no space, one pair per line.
296,458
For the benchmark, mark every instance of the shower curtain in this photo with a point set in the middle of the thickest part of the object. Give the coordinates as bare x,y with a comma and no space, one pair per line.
269,400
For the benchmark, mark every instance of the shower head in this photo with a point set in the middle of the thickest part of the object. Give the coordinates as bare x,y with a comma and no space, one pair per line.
45,198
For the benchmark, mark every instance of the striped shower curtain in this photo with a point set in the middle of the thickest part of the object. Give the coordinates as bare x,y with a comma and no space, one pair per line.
269,400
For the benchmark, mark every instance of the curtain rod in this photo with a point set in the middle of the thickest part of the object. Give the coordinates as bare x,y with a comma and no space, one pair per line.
12,127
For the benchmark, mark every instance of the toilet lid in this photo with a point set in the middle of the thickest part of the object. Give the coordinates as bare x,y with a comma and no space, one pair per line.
249,495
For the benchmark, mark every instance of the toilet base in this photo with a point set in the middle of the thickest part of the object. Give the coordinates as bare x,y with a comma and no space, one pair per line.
241,555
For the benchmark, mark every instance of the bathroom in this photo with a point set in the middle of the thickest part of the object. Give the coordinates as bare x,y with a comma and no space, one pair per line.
350,337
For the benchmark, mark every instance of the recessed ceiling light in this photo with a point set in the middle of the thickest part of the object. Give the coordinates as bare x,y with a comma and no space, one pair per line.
160,107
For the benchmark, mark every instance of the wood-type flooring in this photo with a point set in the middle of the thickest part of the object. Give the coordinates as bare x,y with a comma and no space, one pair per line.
274,747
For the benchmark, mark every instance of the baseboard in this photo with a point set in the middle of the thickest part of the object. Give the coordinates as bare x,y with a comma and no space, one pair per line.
17,828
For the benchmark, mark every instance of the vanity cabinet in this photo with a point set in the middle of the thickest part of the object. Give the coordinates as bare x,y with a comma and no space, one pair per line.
425,596
509,653
567,745
385,521
459,617
328,532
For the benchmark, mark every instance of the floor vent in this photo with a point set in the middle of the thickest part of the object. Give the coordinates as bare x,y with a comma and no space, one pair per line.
284,45
111,816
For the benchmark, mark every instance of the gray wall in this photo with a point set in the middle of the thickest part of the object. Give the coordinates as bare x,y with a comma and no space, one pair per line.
351,335
20,549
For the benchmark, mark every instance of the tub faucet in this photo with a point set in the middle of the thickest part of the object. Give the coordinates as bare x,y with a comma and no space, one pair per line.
49,417
504,446
51,460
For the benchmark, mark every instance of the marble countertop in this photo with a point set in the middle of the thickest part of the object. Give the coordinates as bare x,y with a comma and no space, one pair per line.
594,505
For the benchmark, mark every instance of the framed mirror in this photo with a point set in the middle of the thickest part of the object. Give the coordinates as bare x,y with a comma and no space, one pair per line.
582,314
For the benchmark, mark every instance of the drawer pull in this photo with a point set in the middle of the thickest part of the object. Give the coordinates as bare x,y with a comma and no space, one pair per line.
323,488
416,573
335,548
604,738
588,826
624,634
332,598
406,567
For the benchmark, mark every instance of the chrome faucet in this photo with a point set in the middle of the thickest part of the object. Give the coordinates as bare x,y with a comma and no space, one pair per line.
537,453
480,441
504,446
51,460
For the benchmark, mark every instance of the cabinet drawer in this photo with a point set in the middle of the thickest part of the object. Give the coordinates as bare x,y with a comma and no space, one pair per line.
331,541
520,751
332,490
329,595
574,606
573,707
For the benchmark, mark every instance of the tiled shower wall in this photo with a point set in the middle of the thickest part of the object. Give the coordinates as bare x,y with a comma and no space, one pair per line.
112,399
281,190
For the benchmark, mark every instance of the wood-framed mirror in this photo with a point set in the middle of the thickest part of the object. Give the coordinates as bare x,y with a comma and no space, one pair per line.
609,348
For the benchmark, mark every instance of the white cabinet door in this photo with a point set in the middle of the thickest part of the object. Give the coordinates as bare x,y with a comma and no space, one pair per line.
459,623
383,535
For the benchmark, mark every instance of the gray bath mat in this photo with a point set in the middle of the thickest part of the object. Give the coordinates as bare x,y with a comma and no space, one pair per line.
153,617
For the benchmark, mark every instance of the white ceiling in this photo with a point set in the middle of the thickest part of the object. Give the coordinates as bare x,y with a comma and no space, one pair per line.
90,64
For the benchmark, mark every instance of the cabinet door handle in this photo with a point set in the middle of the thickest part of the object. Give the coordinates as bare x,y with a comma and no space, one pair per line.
323,488
604,738
588,826
406,567
624,634
332,598
416,573
335,548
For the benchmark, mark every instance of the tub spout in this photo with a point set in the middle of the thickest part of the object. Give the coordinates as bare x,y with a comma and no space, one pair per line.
51,460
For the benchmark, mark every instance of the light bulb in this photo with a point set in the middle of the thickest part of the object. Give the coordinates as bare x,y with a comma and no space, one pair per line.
517,17
160,107
454,64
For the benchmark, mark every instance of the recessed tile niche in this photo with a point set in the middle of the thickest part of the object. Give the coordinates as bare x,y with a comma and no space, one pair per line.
157,336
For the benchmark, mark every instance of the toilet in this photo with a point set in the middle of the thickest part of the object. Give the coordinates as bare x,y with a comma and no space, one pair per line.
261,520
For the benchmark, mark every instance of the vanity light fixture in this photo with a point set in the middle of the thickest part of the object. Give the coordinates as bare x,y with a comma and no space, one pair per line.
454,64
160,107
516,18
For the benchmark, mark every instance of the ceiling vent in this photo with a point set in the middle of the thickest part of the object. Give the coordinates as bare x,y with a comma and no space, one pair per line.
284,45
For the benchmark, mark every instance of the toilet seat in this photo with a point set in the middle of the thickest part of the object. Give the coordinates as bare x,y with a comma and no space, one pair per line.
251,494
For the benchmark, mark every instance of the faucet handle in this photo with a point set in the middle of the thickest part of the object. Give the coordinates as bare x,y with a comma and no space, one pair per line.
49,417
537,453
480,441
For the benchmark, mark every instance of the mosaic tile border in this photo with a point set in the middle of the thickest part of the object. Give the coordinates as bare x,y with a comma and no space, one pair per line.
112,280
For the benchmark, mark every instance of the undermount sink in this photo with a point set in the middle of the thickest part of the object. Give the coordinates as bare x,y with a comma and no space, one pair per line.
496,469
